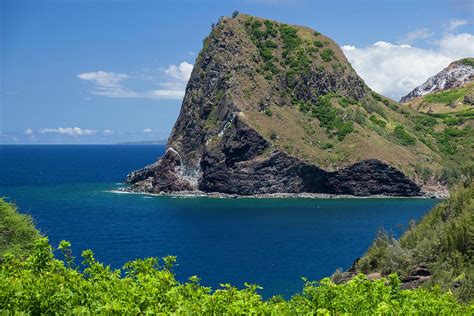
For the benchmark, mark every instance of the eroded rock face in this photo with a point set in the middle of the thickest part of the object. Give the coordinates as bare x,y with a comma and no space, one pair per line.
243,163
372,177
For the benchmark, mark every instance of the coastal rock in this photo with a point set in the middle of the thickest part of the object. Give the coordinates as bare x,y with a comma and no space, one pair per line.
252,121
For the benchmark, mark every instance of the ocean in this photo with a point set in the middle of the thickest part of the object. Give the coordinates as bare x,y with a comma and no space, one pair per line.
70,192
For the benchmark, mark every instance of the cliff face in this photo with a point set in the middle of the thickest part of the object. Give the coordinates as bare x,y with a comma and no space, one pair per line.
274,108
458,73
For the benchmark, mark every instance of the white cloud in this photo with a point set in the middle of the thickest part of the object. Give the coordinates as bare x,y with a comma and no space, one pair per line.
103,78
457,46
147,130
72,131
110,84
28,131
413,36
454,24
394,70
107,131
181,72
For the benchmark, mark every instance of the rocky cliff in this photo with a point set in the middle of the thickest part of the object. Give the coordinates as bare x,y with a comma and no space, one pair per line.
273,108
458,73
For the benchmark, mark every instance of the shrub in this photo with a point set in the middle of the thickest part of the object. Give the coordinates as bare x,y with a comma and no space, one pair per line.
327,54
329,117
17,231
318,43
374,119
42,284
268,112
403,136
235,13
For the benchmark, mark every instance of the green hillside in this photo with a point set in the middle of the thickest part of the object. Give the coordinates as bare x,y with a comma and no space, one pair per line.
443,242
303,114
289,100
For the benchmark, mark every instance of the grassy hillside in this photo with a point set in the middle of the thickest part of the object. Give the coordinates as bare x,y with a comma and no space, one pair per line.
303,96
443,241
17,231
445,122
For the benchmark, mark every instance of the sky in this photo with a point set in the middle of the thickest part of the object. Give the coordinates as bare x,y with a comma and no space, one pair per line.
83,72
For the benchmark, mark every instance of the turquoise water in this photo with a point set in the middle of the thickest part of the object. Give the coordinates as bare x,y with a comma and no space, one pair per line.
272,242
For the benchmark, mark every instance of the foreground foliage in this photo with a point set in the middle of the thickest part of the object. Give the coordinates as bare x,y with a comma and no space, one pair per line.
17,231
443,241
43,284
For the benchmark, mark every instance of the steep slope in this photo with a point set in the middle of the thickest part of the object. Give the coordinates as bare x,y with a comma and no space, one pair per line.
448,126
457,74
437,250
276,108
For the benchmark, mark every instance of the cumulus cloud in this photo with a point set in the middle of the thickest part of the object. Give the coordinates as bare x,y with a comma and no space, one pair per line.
108,131
181,72
110,84
28,131
394,70
72,131
147,130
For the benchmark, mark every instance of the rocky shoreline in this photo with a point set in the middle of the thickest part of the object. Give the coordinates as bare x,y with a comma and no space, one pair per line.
196,193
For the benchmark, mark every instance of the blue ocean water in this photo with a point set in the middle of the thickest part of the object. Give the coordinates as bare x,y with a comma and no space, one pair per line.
271,242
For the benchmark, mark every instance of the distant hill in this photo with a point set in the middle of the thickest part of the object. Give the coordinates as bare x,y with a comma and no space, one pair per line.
457,74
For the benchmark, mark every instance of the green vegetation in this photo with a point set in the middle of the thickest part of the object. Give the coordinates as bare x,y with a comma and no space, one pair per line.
443,241
262,39
445,97
327,54
374,119
329,117
300,65
42,284
345,101
318,43
403,136
467,61
17,231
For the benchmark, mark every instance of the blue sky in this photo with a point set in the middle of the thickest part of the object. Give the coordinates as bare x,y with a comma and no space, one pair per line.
109,71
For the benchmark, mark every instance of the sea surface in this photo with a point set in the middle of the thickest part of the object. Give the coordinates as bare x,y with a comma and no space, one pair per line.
272,242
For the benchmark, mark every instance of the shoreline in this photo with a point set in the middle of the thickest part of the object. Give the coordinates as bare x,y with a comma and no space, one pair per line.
218,195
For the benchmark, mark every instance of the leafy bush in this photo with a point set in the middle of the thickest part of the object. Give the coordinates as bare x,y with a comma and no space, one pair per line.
374,119
318,43
329,117
42,284
327,54
345,101
17,231
403,136
235,13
